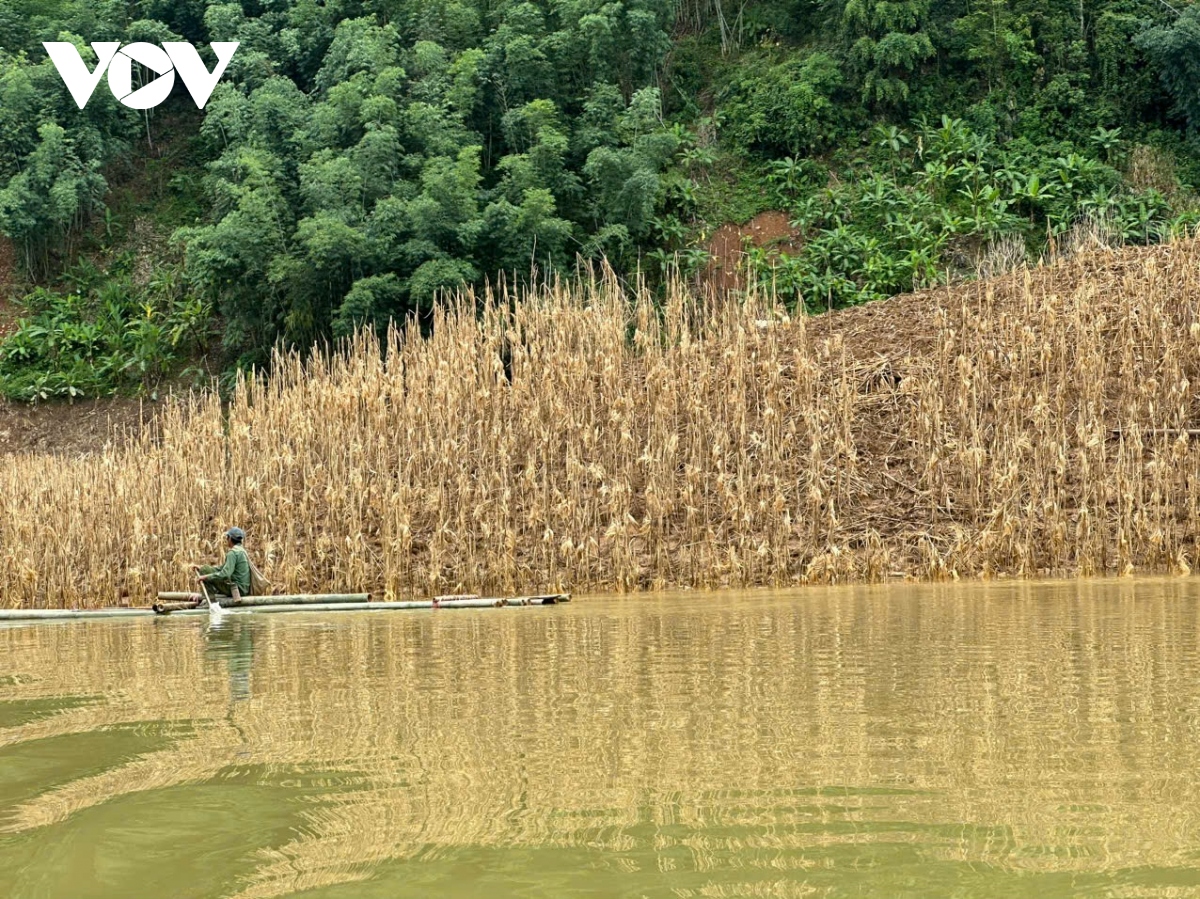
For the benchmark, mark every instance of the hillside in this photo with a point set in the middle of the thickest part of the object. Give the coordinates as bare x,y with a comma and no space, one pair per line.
1038,423
356,160
69,428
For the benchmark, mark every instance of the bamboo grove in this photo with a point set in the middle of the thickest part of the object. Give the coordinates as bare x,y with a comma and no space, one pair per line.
585,437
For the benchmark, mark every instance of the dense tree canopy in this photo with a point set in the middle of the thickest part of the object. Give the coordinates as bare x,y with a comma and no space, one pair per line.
360,156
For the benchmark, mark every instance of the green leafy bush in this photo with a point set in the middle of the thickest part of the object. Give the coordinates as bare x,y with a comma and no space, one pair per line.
107,339
921,208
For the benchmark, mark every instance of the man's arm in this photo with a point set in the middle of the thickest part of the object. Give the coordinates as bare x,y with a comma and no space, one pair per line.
225,571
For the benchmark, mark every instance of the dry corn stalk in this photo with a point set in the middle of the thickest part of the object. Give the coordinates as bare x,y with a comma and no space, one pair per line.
584,436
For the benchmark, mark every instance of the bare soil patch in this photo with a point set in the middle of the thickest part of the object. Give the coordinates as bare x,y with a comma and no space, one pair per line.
726,249
70,428
8,279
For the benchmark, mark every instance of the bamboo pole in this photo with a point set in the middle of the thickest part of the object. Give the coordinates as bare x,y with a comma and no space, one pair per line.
163,607
298,599
398,606
282,600
341,605
469,601
49,614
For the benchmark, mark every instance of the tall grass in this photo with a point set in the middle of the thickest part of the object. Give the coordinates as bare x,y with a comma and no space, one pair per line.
583,437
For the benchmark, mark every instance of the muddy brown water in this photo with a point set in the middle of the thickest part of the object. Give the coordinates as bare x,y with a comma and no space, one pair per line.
901,741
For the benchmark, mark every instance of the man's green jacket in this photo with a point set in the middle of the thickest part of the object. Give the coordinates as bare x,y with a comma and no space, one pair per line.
236,570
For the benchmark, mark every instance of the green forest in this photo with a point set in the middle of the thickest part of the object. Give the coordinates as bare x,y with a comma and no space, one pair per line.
361,157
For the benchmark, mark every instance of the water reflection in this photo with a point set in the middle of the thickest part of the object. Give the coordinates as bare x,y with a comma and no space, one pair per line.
230,638
997,740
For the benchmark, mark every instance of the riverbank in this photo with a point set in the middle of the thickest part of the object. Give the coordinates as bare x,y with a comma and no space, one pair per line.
1039,423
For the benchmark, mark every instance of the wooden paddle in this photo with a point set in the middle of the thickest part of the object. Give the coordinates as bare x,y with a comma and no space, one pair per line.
204,589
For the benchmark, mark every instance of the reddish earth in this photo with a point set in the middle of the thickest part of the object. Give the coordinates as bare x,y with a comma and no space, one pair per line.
770,230
8,318
8,268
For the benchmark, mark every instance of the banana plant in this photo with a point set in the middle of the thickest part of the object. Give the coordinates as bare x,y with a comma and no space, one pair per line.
1035,193
669,230
1107,141
890,139
808,212
937,176
787,175
698,160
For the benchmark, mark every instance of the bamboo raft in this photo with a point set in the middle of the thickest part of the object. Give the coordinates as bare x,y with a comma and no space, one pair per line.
191,604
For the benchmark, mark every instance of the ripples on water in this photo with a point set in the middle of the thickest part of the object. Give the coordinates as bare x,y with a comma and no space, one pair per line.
1032,740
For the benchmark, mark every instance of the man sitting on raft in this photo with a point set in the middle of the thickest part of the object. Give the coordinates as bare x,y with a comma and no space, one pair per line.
234,573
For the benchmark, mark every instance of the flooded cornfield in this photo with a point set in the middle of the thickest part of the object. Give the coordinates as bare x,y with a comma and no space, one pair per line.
987,740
